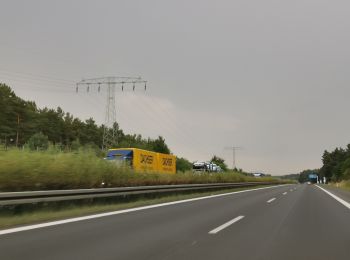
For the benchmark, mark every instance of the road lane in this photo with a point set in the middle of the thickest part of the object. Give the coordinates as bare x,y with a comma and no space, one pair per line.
306,224
296,226
146,234
112,213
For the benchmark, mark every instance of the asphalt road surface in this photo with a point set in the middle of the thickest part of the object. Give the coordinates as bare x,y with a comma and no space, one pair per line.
285,222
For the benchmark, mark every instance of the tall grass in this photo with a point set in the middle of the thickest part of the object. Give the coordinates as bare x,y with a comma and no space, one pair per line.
345,184
26,170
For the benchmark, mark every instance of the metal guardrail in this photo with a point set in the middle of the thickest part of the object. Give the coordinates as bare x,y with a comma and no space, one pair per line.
16,198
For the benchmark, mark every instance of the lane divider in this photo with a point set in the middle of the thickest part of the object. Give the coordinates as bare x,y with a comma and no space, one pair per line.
71,220
270,200
284,193
227,224
345,203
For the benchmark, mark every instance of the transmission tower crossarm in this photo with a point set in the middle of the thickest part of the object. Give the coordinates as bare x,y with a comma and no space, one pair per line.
112,80
110,131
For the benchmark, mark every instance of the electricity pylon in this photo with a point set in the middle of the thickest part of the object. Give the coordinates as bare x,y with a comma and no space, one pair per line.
233,148
110,137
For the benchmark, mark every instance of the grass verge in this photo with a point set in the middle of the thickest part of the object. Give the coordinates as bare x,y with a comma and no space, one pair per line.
11,218
344,185
23,170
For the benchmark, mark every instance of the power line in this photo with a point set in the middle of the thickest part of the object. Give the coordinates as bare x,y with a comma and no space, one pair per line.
155,115
35,76
183,130
150,115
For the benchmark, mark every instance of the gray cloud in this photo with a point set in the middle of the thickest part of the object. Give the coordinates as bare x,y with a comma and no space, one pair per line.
271,76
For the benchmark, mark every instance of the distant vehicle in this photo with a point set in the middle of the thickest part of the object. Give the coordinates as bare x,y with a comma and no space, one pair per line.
142,160
258,174
312,178
205,167
200,167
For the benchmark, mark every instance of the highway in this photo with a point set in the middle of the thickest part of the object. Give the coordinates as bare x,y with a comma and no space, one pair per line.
284,222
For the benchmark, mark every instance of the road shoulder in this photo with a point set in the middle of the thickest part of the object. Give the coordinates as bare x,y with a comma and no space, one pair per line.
341,193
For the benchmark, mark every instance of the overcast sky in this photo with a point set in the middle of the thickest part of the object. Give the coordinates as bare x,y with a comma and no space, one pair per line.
271,76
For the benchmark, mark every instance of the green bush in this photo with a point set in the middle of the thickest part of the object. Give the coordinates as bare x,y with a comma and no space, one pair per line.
38,141
183,165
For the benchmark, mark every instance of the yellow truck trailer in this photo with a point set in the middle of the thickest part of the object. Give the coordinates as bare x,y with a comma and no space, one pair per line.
143,160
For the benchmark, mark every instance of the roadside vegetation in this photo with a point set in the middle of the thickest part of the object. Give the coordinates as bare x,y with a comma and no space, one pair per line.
335,167
345,185
22,120
45,170
336,164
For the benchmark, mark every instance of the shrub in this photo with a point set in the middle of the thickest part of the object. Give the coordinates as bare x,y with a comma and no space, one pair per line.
38,141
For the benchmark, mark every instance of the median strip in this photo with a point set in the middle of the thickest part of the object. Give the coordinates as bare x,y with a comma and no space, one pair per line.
227,224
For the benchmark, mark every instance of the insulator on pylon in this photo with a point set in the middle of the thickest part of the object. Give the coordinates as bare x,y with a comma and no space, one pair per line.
122,86
133,87
99,87
88,88
145,86
76,89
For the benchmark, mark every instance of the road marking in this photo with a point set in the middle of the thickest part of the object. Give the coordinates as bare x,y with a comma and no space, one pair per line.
270,200
223,226
291,189
284,193
345,203
70,220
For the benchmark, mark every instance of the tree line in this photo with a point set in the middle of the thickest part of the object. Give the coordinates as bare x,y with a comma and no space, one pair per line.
20,120
335,166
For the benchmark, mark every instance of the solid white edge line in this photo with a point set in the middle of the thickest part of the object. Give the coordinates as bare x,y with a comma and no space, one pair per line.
270,200
223,226
284,193
345,203
70,220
